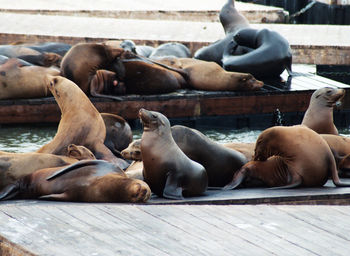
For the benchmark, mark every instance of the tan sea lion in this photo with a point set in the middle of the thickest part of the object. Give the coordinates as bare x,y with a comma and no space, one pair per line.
246,148
118,133
32,56
85,181
319,114
16,165
288,157
167,170
209,76
80,123
135,170
18,81
133,151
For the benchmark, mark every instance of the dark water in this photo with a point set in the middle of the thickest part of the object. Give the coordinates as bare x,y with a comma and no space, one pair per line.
30,138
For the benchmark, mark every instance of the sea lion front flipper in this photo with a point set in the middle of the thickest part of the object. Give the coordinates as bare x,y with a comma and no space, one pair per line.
73,167
172,189
9,192
237,180
57,197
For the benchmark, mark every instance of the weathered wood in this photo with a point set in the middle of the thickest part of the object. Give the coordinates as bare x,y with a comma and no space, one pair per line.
53,228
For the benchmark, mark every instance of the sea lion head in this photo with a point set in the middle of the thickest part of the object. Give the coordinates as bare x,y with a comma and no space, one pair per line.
248,82
128,45
328,96
133,151
79,152
153,120
139,191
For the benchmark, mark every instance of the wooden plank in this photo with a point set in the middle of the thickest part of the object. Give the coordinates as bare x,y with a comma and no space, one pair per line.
195,10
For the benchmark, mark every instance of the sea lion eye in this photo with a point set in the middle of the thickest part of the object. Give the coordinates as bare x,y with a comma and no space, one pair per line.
55,80
154,115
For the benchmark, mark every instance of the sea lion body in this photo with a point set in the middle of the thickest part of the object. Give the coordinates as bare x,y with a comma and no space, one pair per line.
319,114
247,149
118,133
167,170
55,47
270,56
287,157
80,123
173,49
18,81
209,76
232,21
86,181
92,63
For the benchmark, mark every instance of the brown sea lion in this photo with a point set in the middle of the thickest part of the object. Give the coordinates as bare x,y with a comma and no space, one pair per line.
319,114
96,68
247,149
167,170
80,123
15,165
285,158
35,57
118,133
18,81
85,181
209,76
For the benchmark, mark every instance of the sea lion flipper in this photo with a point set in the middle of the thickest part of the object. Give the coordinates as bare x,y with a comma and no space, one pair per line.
171,189
58,197
295,184
73,167
9,192
236,181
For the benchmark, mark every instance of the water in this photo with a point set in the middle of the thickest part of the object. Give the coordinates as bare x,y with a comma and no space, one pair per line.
30,138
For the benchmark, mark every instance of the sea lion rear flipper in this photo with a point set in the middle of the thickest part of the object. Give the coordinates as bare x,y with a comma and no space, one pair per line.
9,192
295,184
171,189
73,167
58,197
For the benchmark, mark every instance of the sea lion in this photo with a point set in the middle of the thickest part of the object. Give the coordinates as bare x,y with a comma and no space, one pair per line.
209,76
172,49
247,149
285,158
141,50
85,181
319,114
135,170
18,81
219,162
118,133
167,170
52,47
80,123
96,68
79,152
270,55
32,56
133,151
232,21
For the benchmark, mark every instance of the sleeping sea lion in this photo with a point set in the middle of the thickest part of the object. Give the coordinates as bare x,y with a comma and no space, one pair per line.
85,181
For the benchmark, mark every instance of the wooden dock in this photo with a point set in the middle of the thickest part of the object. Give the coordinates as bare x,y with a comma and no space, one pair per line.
288,96
62,228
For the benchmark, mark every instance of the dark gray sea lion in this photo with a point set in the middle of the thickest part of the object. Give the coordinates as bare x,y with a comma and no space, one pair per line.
167,170
173,49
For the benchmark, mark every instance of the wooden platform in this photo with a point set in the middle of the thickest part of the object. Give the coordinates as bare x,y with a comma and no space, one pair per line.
311,44
292,96
194,10
62,228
